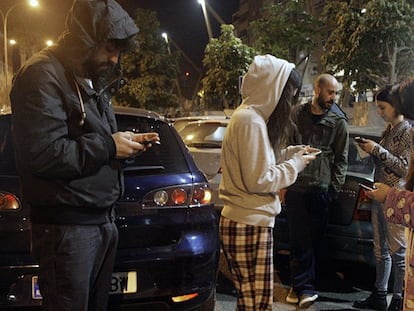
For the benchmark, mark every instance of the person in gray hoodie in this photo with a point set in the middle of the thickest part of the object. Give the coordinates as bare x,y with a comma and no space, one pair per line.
69,152
257,164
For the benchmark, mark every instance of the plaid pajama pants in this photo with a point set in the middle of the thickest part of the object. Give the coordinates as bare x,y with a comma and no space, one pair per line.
249,253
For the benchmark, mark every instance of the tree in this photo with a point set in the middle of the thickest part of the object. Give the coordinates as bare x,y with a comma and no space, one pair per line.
371,41
285,30
150,70
226,59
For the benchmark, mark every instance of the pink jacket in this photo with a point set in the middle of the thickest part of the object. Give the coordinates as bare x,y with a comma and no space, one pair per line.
399,209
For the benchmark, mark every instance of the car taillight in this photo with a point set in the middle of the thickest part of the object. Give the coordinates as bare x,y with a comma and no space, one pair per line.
161,198
8,202
362,211
202,195
181,196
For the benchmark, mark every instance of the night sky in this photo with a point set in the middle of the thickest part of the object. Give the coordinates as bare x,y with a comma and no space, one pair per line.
183,20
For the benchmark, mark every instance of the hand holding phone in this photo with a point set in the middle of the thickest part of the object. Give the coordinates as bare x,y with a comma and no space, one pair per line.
366,187
313,151
147,142
359,139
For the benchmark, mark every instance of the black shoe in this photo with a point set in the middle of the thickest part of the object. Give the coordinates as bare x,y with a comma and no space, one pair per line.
376,301
396,304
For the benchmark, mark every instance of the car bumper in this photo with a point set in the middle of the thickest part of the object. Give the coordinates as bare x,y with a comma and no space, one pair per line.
161,282
185,272
16,286
157,282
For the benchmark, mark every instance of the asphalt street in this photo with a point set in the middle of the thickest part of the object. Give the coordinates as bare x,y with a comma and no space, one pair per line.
338,286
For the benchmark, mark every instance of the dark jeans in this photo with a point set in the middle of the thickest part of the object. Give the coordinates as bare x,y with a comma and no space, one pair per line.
307,217
76,263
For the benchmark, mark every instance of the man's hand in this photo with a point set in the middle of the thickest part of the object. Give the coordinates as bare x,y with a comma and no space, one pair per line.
130,144
146,138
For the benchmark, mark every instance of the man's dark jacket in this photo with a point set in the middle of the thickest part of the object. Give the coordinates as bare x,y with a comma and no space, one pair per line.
67,169
329,133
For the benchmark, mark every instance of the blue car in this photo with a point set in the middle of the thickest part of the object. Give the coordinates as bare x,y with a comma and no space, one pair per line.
168,248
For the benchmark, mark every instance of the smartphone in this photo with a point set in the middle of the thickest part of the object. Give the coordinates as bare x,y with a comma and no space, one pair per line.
147,142
366,187
313,153
359,139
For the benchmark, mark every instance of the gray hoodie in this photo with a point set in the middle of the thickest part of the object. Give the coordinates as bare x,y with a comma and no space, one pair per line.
252,177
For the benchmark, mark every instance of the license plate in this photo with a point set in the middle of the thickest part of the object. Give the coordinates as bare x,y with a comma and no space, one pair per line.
35,288
121,283
124,283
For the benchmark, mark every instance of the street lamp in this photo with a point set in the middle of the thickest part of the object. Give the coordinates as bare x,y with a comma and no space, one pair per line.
212,11
165,36
33,3
208,26
177,84
167,39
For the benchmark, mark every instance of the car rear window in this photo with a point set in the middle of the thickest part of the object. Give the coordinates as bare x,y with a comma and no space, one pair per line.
7,163
165,158
203,135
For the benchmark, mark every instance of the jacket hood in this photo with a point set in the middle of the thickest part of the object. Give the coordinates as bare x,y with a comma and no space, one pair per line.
263,84
90,24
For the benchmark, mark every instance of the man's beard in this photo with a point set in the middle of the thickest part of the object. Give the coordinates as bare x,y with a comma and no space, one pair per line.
101,73
325,105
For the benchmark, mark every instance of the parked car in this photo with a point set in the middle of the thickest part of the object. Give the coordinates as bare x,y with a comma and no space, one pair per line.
349,233
203,139
168,250
181,122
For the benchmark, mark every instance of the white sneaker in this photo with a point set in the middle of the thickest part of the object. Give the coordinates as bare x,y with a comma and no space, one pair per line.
306,300
292,297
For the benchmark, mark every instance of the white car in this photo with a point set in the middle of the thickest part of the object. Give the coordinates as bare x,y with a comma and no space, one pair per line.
181,122
203,139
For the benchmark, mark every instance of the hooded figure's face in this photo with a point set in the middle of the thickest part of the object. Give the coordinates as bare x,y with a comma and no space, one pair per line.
102,64
90,25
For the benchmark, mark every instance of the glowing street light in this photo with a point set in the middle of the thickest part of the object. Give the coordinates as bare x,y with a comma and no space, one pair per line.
206,7
49,42
212,11
208,26
33,3
168,40
165,36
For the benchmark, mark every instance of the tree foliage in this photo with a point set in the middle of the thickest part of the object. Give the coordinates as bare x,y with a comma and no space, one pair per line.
226,59
150,70
285,30
371,41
